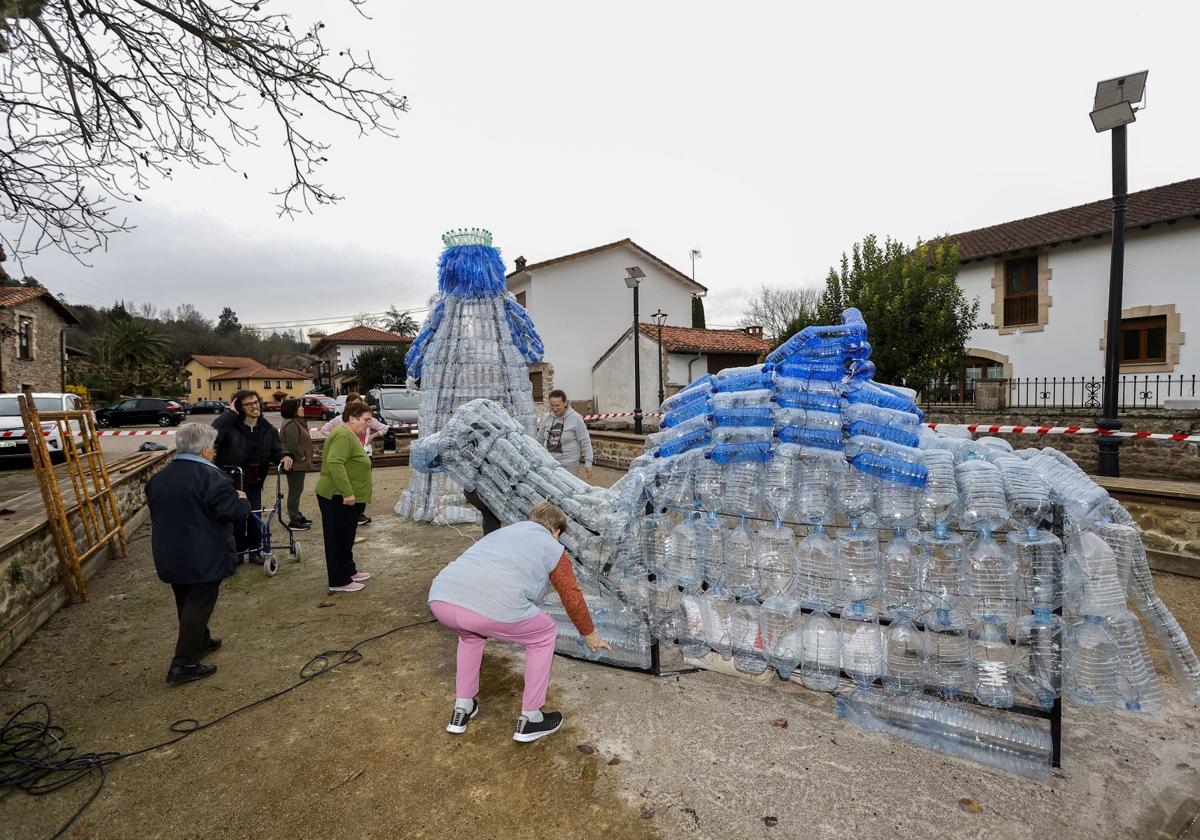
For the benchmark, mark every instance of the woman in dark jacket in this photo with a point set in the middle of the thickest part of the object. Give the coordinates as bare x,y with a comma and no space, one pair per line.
193,510
246,440
297,443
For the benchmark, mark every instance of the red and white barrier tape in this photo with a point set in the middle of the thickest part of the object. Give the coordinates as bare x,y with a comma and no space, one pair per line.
134,432
611,414
19,433
982,428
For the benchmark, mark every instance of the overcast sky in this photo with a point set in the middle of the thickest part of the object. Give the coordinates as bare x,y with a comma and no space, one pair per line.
769,135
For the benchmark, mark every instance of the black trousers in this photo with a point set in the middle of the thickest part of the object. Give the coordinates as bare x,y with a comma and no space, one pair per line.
249,536
490,521
339,524
194,604
295,480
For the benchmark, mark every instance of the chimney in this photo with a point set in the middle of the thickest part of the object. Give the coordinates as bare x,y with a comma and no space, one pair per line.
314,338
754,331
520,263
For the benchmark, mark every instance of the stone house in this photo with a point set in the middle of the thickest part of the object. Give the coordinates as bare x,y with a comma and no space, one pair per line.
33,340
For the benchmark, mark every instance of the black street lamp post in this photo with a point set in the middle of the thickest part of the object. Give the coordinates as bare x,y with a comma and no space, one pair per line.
633,278
660,318
1112,111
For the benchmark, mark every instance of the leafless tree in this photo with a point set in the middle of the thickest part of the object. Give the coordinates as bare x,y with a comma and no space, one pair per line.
778,310
100,96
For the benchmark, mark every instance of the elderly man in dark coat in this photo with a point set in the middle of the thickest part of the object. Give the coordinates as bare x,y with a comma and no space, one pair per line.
193,511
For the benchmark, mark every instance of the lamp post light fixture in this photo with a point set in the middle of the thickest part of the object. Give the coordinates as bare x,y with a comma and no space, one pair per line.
633,278
1113,109
660,318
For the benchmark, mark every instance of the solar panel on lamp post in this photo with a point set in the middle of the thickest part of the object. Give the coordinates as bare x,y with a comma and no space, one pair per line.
633,278
1112,110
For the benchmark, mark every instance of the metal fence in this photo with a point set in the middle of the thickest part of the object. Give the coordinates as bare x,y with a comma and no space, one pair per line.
1143,391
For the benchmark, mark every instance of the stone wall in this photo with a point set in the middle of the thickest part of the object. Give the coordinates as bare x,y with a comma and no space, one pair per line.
1166,460
616,449
31,588
44,371
1170,532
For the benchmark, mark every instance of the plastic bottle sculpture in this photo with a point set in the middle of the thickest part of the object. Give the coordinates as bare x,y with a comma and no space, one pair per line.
476,343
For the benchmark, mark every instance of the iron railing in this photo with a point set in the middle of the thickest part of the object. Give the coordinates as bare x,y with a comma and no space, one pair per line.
1142,391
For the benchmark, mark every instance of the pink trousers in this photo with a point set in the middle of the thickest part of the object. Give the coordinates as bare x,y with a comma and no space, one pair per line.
537,635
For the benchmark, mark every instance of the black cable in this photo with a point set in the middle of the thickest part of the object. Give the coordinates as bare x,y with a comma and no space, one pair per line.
35,758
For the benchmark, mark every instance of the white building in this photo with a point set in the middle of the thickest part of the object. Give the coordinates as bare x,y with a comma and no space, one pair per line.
580,304
687,354
1042,282
337,351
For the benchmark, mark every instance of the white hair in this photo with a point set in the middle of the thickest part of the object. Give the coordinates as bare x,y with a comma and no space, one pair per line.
194,438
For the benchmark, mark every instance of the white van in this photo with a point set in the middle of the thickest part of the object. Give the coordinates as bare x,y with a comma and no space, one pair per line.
12,429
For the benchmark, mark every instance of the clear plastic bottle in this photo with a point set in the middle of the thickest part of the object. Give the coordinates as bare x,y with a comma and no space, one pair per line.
1039,559
992,663
982,488
991,579
904,646
818,571
856,496
709,483
944,573
777,559
1002,742
858,555
820,652
665,611
690,625
742,488
817,478
1027,495
897,505
1039,656
711,544
901,575
1103,593
781,623
718,609
779,481
940,500
748,654
1139,686
740,553
947,652
681,566
1093,665
862,651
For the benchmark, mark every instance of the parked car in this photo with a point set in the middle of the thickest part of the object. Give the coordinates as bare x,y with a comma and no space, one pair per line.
318,407
12,429
207,407
397,407
141,411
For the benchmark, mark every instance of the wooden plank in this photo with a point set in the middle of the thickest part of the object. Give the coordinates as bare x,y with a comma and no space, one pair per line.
1186,491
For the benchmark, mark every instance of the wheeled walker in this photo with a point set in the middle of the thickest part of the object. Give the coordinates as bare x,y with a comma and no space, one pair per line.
263,519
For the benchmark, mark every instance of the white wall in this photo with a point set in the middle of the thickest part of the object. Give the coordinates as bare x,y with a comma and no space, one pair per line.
1162,266
677,368
612,381
581,305
347,353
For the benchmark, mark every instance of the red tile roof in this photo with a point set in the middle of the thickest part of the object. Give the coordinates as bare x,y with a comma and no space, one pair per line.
1160,204
257,371
670,269
229,362
365,335
16,295
689,340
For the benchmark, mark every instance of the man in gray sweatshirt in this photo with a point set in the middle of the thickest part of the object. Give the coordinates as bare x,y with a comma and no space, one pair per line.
565,435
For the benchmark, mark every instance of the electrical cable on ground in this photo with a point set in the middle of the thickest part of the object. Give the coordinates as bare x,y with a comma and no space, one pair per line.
35,758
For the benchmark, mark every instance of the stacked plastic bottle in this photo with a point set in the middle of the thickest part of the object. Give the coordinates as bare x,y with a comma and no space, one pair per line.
476,343
798,516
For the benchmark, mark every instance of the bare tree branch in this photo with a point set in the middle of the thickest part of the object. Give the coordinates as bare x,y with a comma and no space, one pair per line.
101,96
775,310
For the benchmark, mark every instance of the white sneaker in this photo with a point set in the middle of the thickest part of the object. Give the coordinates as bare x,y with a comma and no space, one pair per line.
461,717
360,577
352,586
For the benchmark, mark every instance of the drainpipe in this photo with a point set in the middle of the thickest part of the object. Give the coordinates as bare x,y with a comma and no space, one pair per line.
699,356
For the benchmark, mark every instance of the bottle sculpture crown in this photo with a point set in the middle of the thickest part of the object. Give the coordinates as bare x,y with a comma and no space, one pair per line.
467,236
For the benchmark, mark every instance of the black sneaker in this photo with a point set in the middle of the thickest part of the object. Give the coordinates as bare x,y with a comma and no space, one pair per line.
188,673
461,717
298,525
528,731
364,520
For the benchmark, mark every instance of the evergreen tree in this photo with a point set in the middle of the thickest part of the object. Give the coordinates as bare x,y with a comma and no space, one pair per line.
918,320
697,312
228,322
380,365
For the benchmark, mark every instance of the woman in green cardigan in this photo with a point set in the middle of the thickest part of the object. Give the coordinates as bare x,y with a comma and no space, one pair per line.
342,494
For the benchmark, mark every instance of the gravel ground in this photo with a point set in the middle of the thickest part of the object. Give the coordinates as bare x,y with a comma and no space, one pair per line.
361,752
